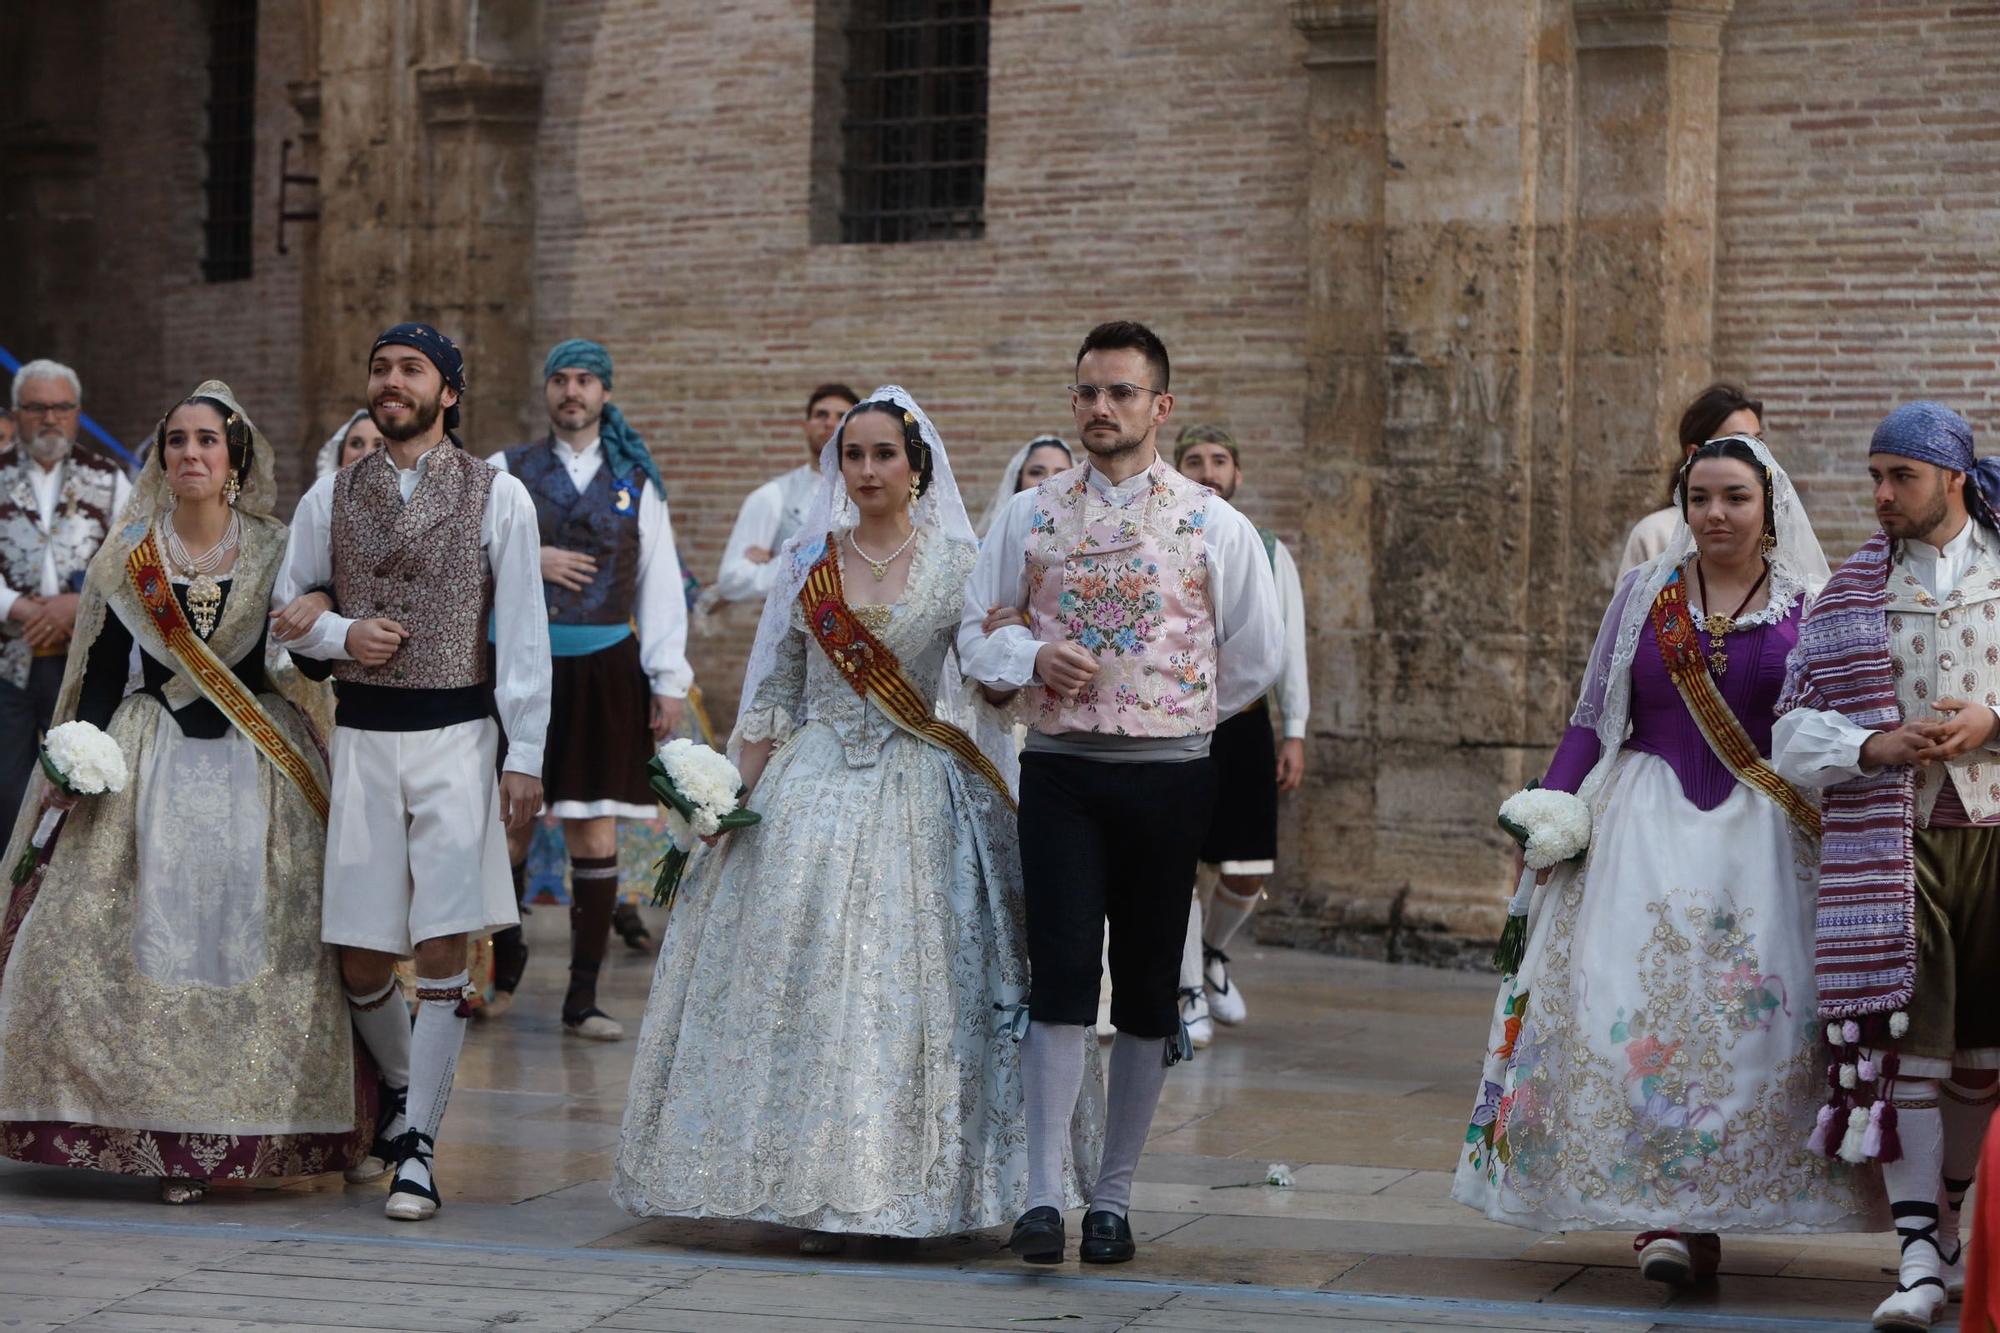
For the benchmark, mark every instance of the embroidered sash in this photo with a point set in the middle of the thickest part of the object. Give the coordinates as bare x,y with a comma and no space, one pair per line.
867,664
219,685
1687,665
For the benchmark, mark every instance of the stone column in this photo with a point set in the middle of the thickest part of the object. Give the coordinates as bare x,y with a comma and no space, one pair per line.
1438,428
425,150
1462,132
1328,826
1647,80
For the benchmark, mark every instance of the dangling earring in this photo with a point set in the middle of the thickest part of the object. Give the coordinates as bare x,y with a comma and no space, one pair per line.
231,488
916,490
1768,543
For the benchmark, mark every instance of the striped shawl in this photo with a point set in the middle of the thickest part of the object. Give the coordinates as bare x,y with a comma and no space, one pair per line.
1866,930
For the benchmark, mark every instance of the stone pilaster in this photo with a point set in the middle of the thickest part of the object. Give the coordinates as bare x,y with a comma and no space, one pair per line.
1438,432
1647,89
426,161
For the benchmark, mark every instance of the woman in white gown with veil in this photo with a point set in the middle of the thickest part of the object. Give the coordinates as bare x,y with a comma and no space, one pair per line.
829,1042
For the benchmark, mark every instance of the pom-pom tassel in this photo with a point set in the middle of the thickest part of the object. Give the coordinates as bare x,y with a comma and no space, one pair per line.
1850,1032
1819,1143
1871,1140
1848,1076
1851,1141
1892,1142
1864,1069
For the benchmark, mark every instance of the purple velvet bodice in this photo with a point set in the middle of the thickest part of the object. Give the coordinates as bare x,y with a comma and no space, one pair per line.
1661,724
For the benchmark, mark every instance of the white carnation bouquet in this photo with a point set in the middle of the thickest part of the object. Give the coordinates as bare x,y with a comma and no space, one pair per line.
80,760
703,794
1552,827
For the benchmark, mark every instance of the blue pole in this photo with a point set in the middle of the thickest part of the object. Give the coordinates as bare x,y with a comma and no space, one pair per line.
12,363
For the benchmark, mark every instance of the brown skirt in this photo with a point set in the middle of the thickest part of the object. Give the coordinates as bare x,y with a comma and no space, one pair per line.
600,735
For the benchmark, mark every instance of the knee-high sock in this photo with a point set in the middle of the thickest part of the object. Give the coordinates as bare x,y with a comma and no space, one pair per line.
1191,950
1138,1072
593,892
383,1024
434,1046
1051,1081
1966,1112
1912,1180
1226,915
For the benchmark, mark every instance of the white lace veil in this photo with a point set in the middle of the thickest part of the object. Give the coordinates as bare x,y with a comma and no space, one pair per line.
328,461
1798,570
940,509
1010,477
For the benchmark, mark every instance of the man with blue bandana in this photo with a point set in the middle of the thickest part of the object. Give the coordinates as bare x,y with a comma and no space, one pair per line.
1892,707
404,554
608,564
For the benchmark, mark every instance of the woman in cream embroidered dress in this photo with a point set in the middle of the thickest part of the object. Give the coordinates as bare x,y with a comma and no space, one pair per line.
828,1041
1654,1063
167,1008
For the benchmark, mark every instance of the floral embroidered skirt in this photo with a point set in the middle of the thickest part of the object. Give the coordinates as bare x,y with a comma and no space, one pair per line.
1656,1061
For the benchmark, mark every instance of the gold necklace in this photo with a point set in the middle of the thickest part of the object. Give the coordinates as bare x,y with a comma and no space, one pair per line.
204,594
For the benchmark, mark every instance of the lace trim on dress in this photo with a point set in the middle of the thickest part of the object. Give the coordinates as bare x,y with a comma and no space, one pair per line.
1785,593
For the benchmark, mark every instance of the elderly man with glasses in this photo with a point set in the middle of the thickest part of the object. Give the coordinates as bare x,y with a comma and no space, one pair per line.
57,504
1137,610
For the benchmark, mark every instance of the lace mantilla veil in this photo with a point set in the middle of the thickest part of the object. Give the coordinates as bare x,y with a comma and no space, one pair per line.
1798,570
940,510
1010,477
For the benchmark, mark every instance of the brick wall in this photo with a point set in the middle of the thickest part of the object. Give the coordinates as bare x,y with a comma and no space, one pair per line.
156,328
1144,160
1859,201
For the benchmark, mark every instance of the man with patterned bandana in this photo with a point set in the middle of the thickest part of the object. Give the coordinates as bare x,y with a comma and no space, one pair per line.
56,506
1893,706
414,544
608,563
1137,609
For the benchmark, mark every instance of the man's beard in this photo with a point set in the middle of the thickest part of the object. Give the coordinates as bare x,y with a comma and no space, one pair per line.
48,448
1116,447
1226,492
1908,526
590,418
423,415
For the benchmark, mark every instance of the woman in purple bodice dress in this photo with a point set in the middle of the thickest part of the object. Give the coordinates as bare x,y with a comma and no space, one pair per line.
1654,1062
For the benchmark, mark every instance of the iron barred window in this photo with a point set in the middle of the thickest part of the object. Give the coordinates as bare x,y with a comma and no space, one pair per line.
913,166
231,144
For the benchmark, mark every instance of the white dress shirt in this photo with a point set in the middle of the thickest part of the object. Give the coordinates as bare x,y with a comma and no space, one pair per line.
1816,748
1294,697
770,514
1649,537
662,601
1250,632
510,543
47,484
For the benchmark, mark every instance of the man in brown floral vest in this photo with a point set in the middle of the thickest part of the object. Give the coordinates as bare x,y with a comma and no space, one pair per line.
415,545
57,503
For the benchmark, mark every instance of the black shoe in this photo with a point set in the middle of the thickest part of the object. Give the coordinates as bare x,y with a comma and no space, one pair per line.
1038,1236
1107,1239
631,928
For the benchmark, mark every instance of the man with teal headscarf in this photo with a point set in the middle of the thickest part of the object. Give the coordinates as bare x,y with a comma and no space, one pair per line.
608,565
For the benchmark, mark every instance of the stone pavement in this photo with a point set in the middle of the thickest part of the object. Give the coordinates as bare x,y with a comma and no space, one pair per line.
1356,1075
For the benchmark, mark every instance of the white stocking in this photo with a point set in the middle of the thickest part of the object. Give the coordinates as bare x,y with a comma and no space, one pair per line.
1966,1112
434,1048
1138,1073
1051,1081
1912,1185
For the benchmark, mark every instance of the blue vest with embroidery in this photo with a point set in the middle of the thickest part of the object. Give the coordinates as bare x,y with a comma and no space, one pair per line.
602,522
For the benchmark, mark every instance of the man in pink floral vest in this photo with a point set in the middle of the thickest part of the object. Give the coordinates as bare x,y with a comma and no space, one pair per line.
1135,609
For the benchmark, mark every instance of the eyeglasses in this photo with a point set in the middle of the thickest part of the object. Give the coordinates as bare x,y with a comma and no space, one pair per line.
46,409
1121,394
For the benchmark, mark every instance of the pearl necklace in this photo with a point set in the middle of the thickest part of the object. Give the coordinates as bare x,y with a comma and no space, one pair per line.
880,568
204,595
